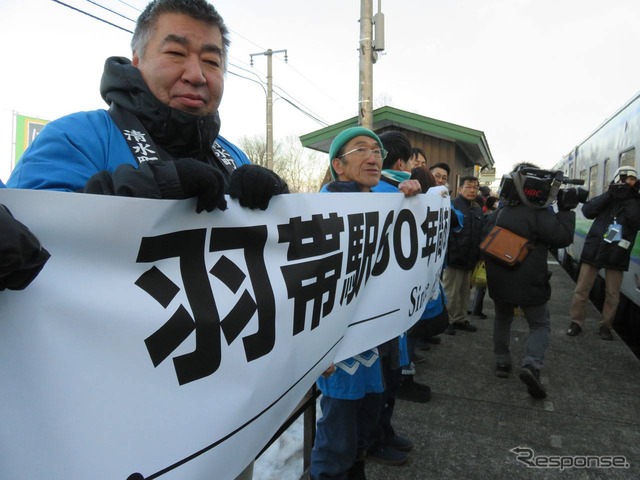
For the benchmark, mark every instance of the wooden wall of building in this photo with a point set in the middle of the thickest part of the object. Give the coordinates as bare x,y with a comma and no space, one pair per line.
439,150
436,149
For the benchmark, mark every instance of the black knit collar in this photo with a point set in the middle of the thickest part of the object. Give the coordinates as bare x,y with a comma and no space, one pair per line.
179,133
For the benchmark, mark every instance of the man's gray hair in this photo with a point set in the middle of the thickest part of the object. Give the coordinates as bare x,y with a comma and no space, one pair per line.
197,9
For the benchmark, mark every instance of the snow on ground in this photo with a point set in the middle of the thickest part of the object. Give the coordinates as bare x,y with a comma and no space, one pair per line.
283,459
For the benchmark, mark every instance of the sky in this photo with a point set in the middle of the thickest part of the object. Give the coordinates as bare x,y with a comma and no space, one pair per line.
536,76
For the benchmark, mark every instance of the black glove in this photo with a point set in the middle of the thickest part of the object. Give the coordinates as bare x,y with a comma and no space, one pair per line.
568,199
621,191
253,186
21,255
201,180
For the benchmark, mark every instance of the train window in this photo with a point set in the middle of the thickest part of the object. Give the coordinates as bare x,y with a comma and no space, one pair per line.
605,174
628,158
593,181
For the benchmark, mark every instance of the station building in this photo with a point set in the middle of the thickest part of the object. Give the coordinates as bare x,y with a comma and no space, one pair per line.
464,149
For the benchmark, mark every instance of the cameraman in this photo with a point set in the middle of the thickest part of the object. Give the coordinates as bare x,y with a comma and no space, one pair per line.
608,245
527,285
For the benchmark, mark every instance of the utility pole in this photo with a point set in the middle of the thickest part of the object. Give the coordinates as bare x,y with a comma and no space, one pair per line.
368,55
269,54
365,108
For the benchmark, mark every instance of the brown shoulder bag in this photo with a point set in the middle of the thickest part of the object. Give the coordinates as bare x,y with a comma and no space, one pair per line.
505,246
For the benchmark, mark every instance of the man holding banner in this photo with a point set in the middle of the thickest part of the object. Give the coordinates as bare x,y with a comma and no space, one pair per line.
159,138
351,395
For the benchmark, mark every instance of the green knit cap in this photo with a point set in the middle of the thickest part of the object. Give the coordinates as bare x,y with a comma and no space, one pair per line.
342,138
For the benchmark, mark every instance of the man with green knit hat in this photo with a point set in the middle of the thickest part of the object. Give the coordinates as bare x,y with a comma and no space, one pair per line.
355,158
351,389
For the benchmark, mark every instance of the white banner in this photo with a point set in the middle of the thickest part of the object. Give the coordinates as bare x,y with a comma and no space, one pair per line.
161,343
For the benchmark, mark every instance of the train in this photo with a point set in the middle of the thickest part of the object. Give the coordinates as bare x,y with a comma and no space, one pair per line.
615,143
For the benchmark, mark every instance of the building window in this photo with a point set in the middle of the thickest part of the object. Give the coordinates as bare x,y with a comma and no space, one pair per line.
583,175
593,181
628,158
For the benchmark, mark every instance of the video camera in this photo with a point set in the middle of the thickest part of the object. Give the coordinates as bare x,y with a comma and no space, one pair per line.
538,188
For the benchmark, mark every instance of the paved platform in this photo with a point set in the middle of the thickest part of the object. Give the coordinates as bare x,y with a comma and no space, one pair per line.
474,419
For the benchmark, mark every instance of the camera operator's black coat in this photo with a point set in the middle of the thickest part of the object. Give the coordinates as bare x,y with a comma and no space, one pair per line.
528,283
623,203
463,247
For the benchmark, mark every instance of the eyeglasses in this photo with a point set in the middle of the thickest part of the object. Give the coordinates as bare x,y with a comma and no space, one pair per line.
364,152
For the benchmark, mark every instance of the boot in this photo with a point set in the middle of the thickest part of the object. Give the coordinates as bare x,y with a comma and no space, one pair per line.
356,472
530,376
413,391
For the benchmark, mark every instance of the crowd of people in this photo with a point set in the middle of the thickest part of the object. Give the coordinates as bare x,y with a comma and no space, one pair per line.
169,93
524,290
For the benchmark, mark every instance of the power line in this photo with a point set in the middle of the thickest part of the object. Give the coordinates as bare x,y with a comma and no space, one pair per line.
109,10
297,104
246,39
247,78
129,5
312,84
281,94
311,116
283,91
92,16
247,70
290,66
308,111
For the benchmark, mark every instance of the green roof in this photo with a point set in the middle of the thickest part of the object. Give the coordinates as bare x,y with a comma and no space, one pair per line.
472,142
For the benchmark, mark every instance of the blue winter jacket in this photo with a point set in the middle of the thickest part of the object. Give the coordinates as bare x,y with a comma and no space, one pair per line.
72,149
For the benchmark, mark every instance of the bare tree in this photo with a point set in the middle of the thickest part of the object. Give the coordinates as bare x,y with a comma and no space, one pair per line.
382,100
256,149
301,169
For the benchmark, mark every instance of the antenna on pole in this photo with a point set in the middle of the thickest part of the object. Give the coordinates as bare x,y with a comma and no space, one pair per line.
378,24
269,54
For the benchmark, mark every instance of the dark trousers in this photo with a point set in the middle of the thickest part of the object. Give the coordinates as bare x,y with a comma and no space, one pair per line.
478,300
537,317
343,435
392,377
